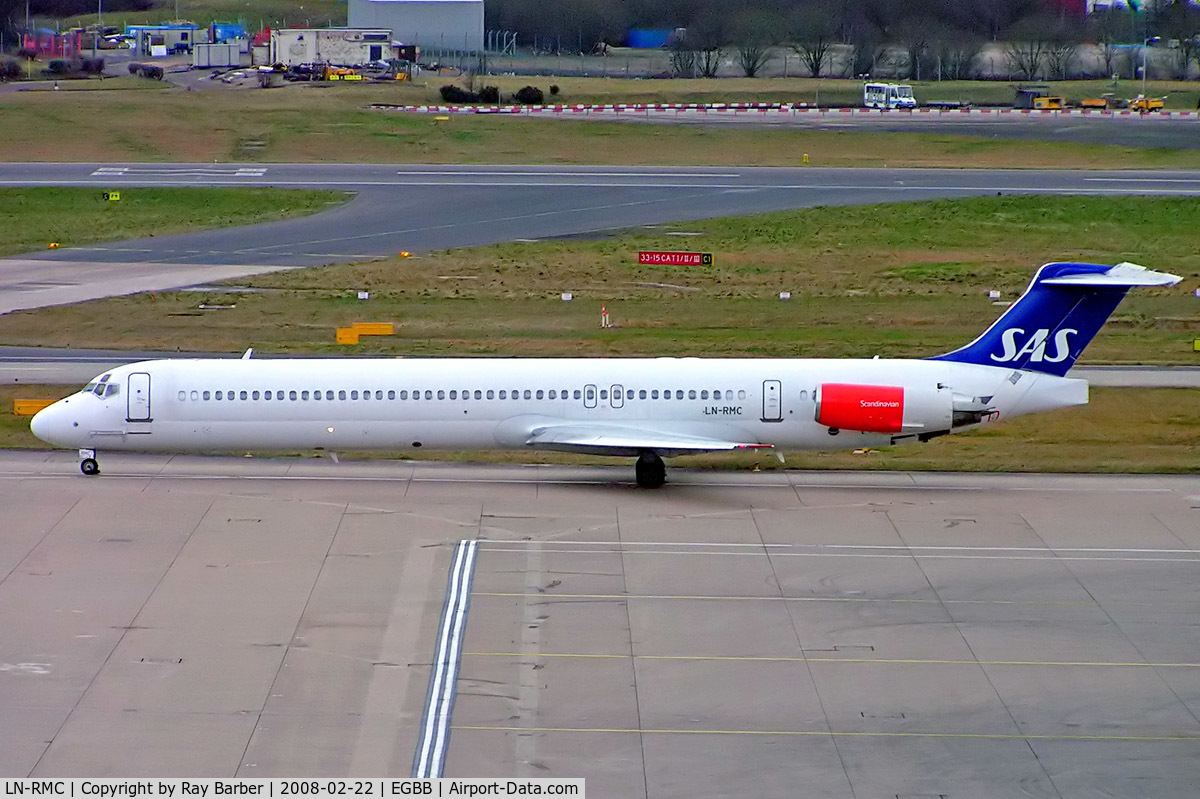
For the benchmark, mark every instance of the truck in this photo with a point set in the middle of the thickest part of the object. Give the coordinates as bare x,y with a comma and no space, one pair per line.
1146,104
888,95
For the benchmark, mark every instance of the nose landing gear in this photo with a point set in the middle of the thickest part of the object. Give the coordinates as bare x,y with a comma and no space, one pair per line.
88,463
650,470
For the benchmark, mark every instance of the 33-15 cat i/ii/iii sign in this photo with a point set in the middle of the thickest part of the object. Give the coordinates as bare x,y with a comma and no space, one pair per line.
660,258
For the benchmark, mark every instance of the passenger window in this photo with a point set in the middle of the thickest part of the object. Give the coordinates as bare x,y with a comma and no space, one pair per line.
366,395
317,395
629,394
741,393
678,394
254,395
603,393
428,394
454,394
577,394
691,393
803,396
441,394
503,394
378,394
303,395
292,395
182,396
553,394
642,394
491,393
207,395
391,394
342,394
539,394
403,394
704,393
219,395
466,394
528,394
328,395
479,394
266,395
354,395
195,395
654,393
243,395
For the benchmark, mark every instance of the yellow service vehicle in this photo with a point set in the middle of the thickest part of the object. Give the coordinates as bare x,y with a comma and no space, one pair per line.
1145,104
1050,102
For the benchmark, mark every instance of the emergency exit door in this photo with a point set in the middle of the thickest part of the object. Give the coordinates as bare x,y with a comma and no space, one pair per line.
772,410
138,397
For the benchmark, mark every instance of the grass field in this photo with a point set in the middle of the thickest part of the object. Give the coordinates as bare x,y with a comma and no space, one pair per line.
891,280
826,92
259,14
1120,431
333,123
31,218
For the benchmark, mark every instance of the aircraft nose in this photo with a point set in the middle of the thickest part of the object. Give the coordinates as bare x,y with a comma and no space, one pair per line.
46,424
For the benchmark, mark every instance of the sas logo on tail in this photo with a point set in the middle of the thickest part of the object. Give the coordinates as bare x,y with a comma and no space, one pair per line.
1035,346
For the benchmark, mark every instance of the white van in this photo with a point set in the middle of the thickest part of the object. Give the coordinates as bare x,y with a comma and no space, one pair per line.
888,95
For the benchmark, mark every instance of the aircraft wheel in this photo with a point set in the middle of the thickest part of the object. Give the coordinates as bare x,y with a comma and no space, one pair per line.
89,467
650,471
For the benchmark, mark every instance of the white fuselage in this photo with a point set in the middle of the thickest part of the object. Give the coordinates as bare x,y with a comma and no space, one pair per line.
479,403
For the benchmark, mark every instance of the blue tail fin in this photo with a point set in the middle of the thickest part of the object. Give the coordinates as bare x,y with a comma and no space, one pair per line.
1064,307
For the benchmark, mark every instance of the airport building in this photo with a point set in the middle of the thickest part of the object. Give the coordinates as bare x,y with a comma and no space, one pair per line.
345,46
432,25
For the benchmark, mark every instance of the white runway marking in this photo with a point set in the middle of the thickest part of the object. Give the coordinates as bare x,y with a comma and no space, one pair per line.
435,729
1049,555
201,171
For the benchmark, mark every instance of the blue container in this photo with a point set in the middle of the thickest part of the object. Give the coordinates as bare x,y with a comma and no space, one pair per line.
648,38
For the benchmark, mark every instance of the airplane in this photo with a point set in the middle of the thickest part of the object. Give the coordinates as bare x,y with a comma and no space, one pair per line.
645,408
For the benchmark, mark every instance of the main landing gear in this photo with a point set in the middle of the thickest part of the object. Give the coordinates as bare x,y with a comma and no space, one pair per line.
88,463
650,471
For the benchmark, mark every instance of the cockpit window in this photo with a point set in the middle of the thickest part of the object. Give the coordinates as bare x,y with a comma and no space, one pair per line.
100,387
112,390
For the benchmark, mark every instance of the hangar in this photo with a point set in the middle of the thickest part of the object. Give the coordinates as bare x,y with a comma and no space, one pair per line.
432,25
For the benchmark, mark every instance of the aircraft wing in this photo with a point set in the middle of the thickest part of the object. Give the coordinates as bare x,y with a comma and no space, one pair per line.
602,439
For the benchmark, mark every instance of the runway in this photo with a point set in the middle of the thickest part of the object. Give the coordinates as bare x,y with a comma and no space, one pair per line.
421,208
858,634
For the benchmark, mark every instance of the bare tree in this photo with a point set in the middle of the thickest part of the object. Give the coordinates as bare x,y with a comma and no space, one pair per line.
753,37
814,32
1027,48
1109,28
708,37
683,57
1062,47
1180,22
914,35
954,52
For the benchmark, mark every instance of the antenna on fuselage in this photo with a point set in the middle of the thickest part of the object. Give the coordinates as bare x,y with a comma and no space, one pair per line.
246,355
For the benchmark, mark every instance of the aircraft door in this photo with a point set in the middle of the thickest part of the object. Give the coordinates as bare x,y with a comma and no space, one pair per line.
138,398
618,396
589,396
772,405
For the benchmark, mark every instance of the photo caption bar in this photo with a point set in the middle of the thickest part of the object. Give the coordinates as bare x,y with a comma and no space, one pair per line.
272,788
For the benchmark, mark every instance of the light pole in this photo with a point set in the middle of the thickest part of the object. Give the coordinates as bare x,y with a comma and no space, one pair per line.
1146,42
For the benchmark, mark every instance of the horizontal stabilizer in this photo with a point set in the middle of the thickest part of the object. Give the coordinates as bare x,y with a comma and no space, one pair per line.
1123,274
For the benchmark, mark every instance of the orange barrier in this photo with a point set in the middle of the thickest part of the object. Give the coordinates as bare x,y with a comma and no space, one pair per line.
374,328
28,407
